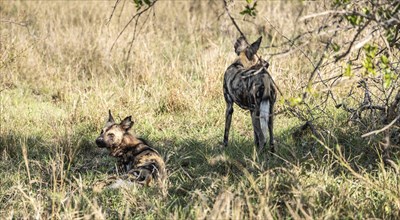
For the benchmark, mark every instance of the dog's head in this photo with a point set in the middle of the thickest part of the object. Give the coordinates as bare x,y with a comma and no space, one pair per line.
112,135
246,52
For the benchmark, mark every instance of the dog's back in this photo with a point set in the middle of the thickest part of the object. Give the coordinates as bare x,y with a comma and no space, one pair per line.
248,86
144,163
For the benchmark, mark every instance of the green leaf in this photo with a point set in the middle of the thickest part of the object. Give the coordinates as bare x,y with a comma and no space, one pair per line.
347,71
295,101
370,50
251,11
281,100
369,66
354,19
366,11
335,47
387,80
384,59
341,2
139,4
367,63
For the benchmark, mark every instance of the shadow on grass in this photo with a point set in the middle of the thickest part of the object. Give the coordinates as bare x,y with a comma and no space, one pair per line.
193,162
77,153
198,164
190,160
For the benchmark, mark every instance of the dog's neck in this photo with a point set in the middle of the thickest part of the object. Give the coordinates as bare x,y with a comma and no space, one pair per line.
244,61
130,141
132,145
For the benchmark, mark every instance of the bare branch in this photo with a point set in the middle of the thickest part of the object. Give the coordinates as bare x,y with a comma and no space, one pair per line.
322,14
363,42
382,129
234,22
352,42
112,13
131,20
135,33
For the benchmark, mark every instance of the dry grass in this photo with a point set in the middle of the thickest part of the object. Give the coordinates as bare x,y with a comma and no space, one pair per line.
58,79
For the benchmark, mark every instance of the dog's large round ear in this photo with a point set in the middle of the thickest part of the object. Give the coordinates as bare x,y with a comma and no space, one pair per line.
252,50
127,123
110,120
240,45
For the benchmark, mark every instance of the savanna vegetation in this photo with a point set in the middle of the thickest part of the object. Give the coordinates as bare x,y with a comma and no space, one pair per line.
64,64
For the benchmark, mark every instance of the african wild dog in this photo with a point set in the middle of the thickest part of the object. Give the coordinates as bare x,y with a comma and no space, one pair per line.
247,84
136,158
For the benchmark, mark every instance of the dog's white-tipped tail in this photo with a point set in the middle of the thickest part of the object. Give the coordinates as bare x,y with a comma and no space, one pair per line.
120,183
264,116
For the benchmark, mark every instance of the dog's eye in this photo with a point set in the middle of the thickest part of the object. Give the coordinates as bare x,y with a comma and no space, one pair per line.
102,131
111,135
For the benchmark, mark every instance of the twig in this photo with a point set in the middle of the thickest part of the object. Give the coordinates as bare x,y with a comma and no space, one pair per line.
382,129
393,106
352,42
112,13
289,40
135,33
329,79
363,42
308,58
130,21
322,14
234,22
310,125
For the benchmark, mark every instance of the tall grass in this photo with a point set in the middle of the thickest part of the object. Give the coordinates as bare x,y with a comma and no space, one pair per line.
59,78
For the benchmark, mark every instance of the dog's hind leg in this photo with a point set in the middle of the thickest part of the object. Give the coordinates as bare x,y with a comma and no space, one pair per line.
256,126
228,118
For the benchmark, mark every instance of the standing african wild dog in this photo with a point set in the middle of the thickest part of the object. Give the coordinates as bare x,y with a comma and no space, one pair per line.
140,161
247,84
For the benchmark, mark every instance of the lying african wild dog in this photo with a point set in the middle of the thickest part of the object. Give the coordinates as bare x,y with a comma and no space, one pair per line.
247,83
142,163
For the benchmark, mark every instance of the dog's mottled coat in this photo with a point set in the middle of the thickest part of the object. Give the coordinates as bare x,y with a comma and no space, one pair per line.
137,160
247,84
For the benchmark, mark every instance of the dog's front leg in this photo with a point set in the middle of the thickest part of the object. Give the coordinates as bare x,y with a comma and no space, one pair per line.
120,167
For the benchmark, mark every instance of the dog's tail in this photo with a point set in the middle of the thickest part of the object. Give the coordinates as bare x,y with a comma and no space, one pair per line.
264,116
265,105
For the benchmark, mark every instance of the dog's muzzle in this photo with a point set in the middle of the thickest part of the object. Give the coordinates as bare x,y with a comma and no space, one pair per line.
100,142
